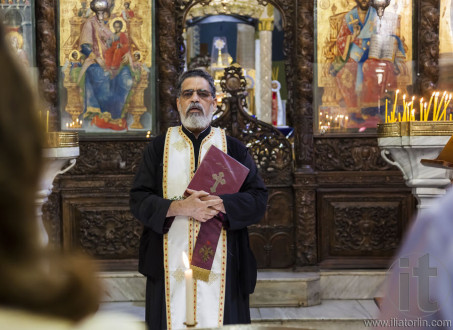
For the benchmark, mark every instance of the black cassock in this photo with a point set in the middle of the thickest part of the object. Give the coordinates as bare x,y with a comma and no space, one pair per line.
244,208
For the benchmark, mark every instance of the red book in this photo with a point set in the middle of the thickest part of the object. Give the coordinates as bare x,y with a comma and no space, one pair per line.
218,173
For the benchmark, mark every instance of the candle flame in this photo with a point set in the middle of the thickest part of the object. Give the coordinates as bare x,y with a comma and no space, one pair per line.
185,259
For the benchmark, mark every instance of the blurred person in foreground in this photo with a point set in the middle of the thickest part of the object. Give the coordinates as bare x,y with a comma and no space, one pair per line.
39,289
419,288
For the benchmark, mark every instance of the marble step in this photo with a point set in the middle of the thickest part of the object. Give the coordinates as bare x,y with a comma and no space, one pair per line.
330,314
285,289
273,289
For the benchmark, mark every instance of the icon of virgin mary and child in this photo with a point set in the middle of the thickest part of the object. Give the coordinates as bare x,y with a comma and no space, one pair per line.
106,73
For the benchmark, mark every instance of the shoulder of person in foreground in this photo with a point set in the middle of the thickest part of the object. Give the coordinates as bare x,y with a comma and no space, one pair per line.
24,320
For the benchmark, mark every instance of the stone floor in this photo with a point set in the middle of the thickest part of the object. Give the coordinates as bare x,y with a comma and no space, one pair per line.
330,314
345,298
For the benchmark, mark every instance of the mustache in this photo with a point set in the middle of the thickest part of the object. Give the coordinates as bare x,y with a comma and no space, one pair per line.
194,105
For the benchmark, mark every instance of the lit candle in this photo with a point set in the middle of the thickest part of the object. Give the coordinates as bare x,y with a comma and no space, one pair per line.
404,108
436,97
47,122
439,106
386,105
188,274
421,110
426,111
394,105
429,104
444,112
412,112
443,98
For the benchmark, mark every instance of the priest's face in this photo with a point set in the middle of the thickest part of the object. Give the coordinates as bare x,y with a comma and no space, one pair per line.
196,104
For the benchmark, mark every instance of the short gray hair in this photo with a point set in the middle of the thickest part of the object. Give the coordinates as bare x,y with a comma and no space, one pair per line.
196,73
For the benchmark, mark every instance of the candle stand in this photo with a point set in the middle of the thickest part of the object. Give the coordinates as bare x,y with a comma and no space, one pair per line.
405,144
60,153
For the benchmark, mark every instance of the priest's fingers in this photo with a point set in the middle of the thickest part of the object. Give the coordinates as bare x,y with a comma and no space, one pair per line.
197,193
206,215
210,197
213,202
219,208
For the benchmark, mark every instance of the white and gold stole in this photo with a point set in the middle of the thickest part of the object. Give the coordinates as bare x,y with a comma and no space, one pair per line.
209,297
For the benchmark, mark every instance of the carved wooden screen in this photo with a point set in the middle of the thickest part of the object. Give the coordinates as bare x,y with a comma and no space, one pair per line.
272,240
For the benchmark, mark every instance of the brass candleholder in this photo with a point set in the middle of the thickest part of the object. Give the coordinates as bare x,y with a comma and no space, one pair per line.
61,139
415,128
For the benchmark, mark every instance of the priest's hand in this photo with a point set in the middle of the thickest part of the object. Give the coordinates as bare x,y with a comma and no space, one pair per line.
193,206
218,207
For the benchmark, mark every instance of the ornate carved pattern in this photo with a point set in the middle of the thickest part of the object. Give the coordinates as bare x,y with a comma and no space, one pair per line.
270,149
52,215
365,229
428,38
272,248
169,59
361,227
279,209
264,104
272,239
366,178
299,47
109,234
46,55
358,154
306,242
108,157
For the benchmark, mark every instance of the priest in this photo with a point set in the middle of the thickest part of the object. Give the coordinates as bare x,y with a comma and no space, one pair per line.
172,216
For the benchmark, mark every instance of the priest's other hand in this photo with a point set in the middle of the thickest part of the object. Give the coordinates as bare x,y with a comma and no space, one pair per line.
193,206
218,207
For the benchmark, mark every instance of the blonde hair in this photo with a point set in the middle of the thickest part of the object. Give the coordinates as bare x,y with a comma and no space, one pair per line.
31,277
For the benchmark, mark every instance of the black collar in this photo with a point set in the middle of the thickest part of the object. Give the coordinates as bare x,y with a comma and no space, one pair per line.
196,142
201,136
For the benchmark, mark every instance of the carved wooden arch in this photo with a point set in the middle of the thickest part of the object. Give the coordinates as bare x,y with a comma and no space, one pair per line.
206,3
298,48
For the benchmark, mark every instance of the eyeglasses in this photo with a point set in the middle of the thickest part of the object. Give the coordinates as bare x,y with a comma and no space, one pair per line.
202,93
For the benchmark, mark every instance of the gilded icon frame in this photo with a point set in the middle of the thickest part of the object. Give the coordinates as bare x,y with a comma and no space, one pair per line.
349,93
106,75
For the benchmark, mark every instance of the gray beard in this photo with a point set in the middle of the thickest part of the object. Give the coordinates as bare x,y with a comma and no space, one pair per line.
195,121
